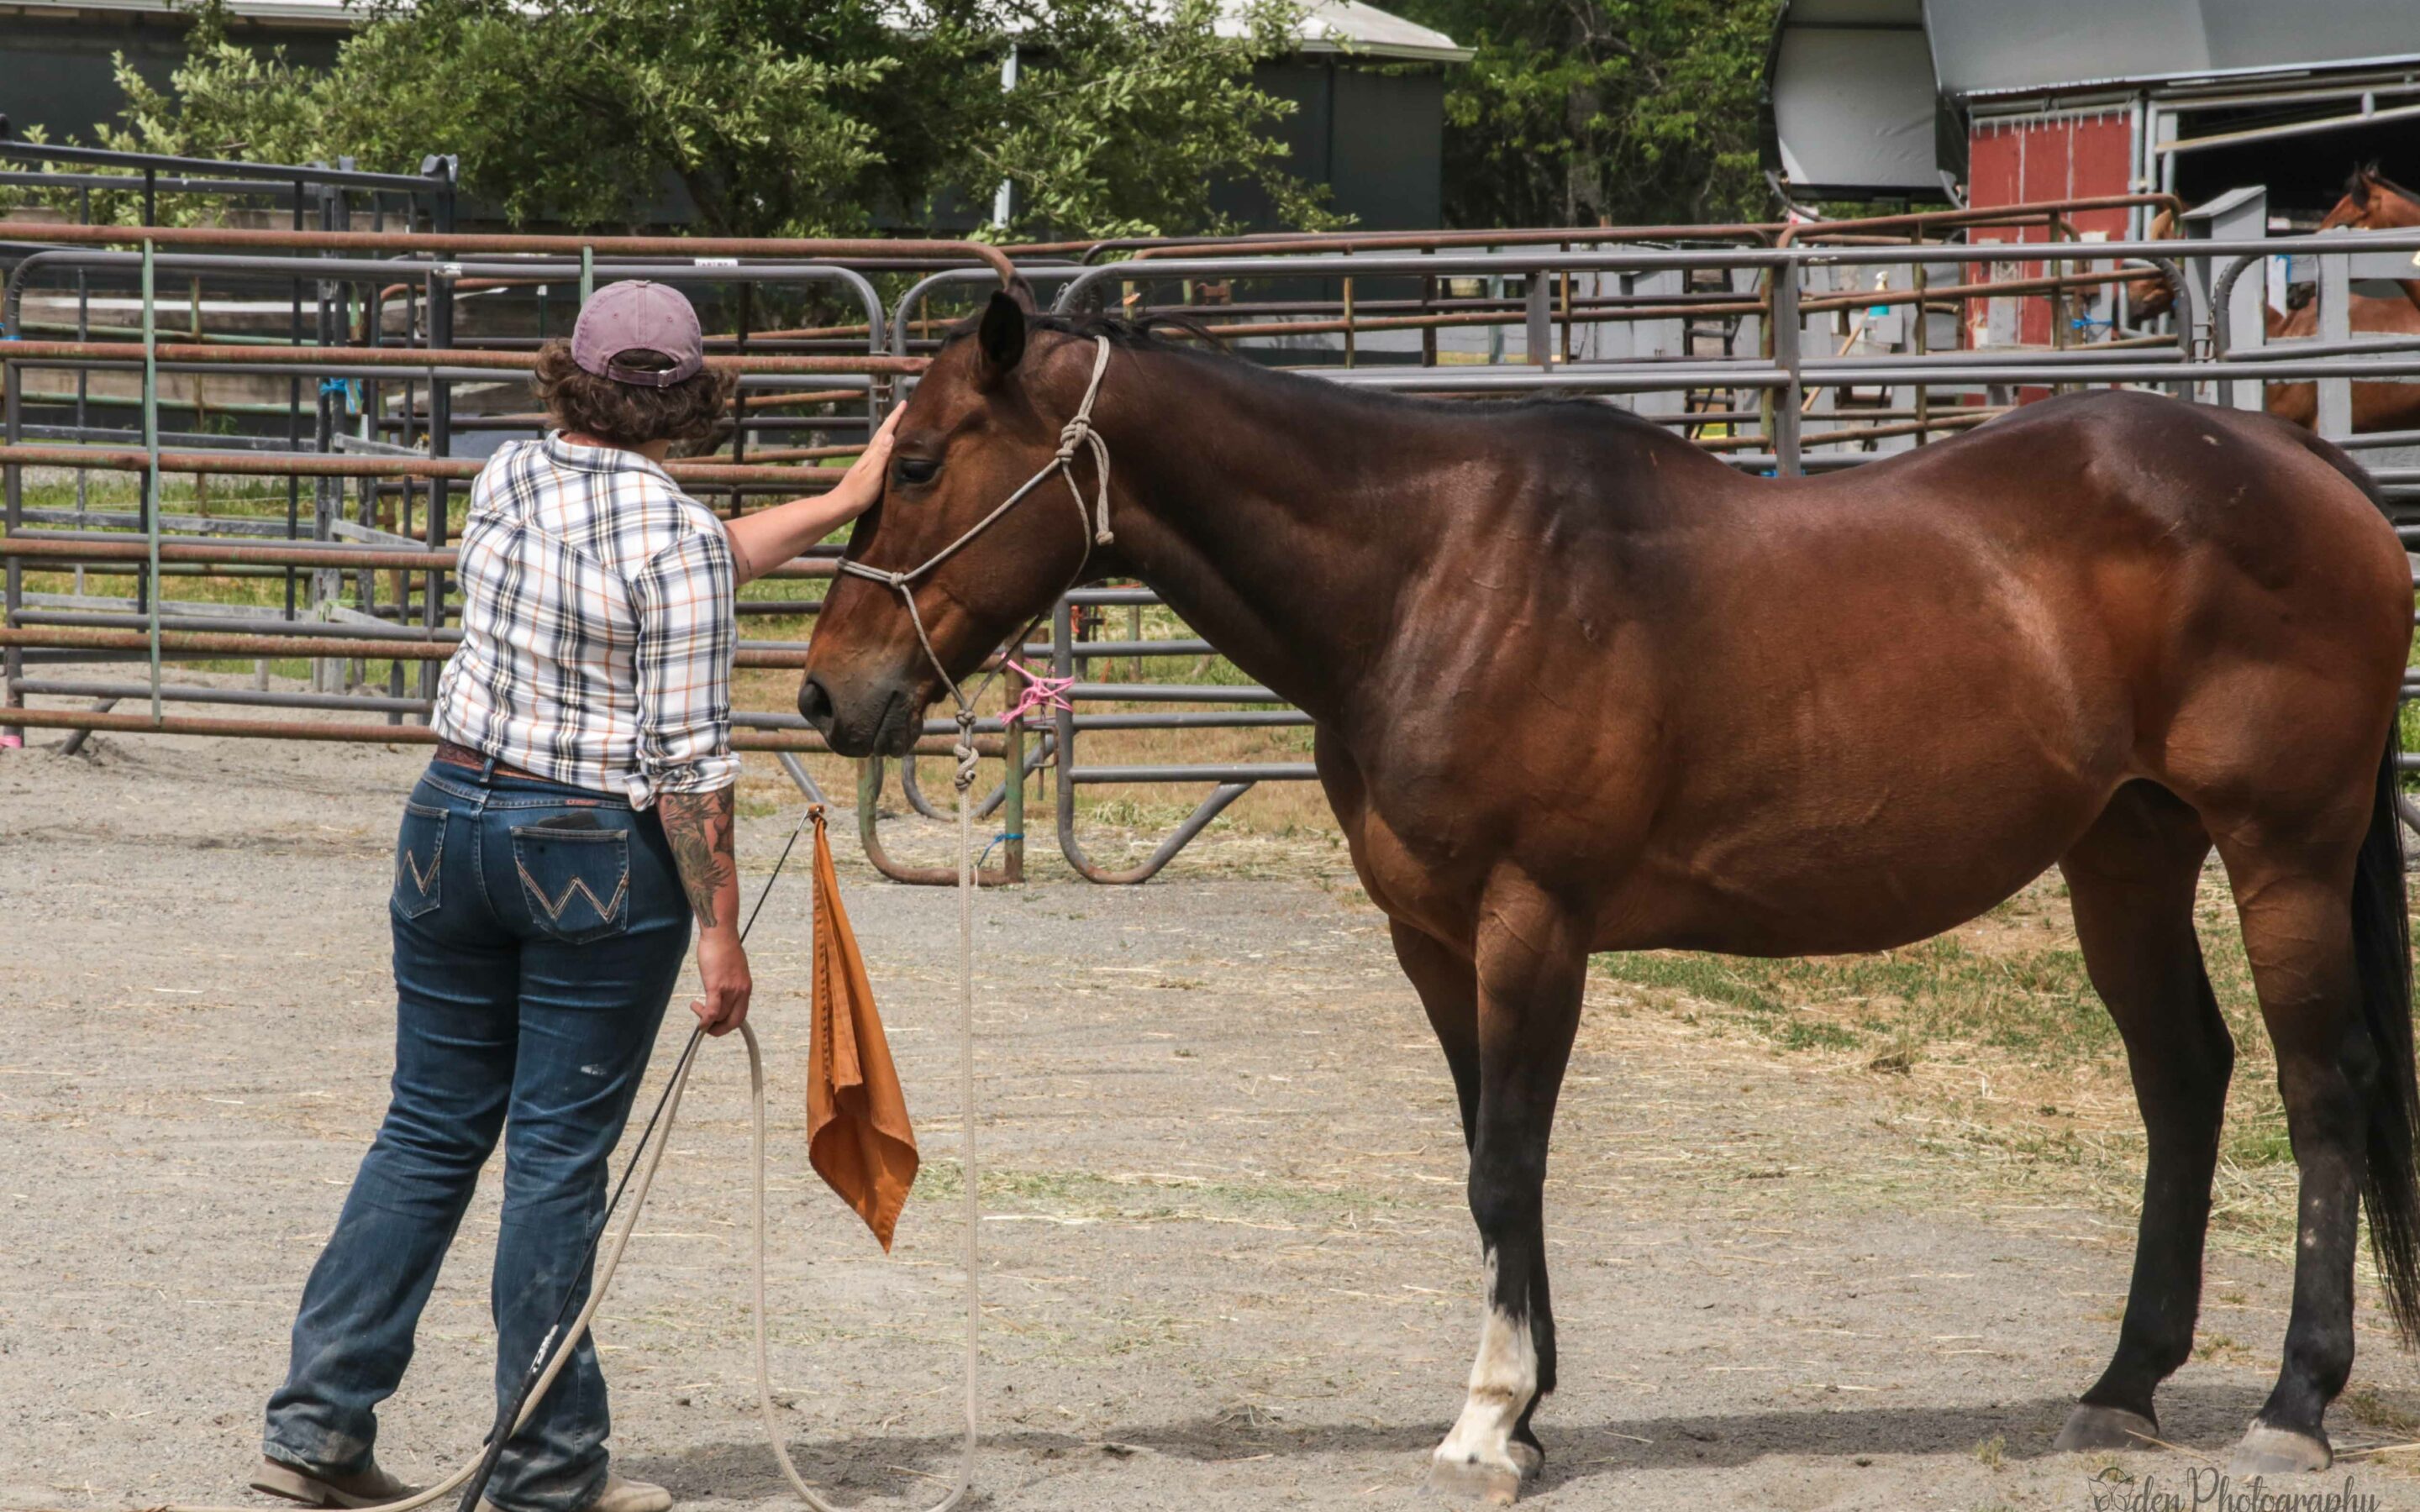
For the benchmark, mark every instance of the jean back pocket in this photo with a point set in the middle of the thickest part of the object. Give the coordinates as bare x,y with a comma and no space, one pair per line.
576,880
419,859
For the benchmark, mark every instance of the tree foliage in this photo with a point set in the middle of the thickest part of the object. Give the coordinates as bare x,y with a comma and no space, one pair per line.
773,118
1114,129
1576,112
587,112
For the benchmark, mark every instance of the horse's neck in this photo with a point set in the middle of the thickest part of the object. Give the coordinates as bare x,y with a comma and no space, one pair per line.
1269,516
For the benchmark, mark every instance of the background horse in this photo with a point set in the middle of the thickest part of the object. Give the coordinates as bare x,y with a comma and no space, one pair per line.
2375,406
2373,202
1579,687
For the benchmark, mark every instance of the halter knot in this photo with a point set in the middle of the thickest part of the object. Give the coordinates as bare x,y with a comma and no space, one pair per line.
965,750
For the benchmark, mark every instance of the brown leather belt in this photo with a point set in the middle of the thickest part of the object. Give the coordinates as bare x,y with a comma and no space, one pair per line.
454,755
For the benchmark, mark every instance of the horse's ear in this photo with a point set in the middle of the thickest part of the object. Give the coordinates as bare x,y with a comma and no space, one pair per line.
1002,335
2163,225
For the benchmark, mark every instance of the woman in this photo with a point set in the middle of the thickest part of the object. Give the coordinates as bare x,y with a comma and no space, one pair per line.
577,816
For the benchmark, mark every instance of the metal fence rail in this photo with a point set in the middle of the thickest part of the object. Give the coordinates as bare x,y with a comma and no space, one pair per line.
1781,349
373,371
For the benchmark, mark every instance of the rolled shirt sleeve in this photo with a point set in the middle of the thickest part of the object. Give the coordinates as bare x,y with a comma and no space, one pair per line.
688,630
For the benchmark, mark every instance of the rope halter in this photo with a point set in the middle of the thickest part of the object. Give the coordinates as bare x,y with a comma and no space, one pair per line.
1092,519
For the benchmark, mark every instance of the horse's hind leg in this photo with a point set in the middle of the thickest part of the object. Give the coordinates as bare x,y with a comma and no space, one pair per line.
2132,880
2310,894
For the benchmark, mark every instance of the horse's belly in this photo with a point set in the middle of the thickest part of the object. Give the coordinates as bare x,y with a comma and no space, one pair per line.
1865,872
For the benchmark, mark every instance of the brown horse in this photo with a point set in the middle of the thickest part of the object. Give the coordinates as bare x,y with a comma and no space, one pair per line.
2375,406
1580,687
2373,202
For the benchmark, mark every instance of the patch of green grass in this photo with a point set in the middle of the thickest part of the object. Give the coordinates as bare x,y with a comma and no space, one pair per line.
2257,1136
2038,1002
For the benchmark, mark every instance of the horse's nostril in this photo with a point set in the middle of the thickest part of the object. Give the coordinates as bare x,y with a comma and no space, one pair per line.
816,705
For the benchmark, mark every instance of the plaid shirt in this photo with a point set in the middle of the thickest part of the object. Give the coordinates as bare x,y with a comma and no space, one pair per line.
598,625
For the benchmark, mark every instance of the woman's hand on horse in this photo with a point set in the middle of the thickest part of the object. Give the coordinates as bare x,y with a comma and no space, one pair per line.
764,539
722,966
862,483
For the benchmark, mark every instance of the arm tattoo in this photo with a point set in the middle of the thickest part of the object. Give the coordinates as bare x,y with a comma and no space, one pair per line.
698,826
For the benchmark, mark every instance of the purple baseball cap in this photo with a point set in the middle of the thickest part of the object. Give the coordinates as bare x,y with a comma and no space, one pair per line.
637,316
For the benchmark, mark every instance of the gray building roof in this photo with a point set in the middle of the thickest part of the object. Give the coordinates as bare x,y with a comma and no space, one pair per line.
1858,92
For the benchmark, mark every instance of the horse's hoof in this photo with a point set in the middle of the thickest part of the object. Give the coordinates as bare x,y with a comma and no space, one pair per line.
1529,1456
1469,1481
2105,1428
2267,1451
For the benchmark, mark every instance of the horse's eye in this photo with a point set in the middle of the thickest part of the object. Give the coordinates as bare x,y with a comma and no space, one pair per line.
915,468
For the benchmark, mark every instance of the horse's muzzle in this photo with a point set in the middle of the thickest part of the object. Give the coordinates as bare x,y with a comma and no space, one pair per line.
878,718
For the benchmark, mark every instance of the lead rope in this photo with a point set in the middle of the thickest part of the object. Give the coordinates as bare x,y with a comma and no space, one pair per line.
1078,432
959,1488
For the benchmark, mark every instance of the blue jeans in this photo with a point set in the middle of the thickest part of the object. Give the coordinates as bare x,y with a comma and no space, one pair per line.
538,931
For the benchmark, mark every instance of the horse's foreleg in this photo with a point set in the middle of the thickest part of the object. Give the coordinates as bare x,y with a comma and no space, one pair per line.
1447,984
1530,968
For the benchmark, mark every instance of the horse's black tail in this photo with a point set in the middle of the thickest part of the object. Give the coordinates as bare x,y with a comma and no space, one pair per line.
2381,943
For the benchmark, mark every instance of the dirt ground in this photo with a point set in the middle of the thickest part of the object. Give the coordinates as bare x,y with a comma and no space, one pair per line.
1226,1262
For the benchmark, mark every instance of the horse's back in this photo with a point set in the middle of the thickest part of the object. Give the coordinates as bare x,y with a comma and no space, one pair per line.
1982,642
2095,479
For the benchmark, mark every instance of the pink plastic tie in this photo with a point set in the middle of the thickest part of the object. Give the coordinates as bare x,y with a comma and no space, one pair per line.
1040,692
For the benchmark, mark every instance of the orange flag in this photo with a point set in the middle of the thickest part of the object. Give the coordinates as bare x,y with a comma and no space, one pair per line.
858,1135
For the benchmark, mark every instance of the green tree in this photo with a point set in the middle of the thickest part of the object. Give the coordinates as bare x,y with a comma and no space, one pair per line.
588,112
1576,112
776,117
1127,112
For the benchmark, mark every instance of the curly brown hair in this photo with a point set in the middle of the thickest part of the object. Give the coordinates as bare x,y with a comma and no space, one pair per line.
625,413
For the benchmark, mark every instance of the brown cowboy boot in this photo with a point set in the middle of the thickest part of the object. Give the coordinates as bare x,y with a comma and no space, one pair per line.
619,1495
313,1488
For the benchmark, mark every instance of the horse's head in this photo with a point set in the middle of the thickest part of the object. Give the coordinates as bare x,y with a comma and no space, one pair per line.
2353,209
2150,296
984,418
2372,202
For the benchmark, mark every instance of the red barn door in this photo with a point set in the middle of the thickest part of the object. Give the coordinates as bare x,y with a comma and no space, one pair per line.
2030,159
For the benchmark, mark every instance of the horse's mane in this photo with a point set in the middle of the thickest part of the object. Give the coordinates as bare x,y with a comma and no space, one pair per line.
1150,332
1184,336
